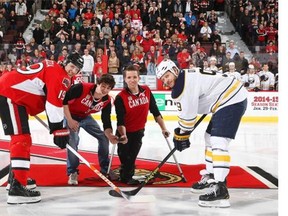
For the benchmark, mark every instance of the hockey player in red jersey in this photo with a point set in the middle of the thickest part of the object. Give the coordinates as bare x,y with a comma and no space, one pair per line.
30,91
80,102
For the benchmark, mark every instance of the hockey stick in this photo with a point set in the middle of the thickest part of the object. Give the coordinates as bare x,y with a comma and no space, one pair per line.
3,173
111,159
151,175
115,188
177,164
110,174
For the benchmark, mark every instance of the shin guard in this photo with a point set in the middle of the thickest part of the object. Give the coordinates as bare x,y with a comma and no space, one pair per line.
20,156
220,157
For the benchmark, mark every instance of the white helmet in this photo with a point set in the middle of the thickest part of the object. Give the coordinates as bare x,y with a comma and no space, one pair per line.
164,66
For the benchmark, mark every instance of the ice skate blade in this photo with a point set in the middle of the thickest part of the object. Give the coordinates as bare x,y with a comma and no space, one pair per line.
23,200
215,204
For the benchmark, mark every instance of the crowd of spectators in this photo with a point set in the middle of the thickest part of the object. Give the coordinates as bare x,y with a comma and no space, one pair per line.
114,34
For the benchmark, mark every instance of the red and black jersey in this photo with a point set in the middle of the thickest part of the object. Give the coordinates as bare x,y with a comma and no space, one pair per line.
132,110
82,103
39,87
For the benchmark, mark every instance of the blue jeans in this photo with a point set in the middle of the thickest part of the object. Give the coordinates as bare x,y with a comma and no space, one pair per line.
92,127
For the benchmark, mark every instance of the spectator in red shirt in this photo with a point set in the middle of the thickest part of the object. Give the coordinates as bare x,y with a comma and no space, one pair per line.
135,10
98,67
271,33
261,35
88,15
271,47
183,58
54,12
147,41
108,13
182,36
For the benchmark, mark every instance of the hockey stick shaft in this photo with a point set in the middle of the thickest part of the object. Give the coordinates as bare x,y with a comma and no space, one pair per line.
96,171
88,164
176,161
111,159
151,175
4,172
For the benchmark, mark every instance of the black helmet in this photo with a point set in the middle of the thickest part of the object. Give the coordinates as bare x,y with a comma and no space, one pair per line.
76,59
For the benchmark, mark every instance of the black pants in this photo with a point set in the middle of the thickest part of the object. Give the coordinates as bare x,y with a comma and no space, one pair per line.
128,153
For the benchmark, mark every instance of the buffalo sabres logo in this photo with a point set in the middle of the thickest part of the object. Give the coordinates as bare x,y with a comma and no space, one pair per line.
266,77
251,80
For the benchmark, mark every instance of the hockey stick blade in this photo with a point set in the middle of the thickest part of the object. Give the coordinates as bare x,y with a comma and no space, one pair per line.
152,174
149,177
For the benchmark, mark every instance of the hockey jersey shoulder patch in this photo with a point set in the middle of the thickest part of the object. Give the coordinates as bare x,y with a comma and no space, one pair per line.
66,82
179,86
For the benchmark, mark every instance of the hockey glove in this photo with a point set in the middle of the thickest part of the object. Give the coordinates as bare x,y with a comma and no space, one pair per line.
61,137
181,140
262,78
256,89
246,84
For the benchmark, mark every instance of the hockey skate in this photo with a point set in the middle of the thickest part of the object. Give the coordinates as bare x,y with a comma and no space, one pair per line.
218,196
31,184
19,194
206,180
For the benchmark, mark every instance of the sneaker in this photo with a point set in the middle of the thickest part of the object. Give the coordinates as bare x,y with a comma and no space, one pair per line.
73,179
112,175
31,184
19,194
217,197
205,182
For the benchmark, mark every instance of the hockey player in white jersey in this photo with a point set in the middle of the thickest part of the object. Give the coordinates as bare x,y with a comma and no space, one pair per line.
251,80
203,92
232,71
267,79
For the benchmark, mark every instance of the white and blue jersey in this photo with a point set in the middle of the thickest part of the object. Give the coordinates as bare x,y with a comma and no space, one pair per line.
198,92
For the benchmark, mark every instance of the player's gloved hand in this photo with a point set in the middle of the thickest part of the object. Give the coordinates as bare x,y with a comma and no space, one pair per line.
61,137
262,78
246,84
181,140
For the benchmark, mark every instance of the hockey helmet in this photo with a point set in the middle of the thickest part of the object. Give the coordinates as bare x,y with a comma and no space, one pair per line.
165,66
76,59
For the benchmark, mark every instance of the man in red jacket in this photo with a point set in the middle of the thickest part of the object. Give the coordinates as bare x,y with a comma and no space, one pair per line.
132,105
80,102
